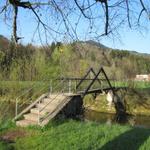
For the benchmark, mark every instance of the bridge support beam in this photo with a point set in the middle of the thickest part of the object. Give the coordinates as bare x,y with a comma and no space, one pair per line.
74,108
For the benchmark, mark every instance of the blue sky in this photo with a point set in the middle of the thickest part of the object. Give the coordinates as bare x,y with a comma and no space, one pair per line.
129,40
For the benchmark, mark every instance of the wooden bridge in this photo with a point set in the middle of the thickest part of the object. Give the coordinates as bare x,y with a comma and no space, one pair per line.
70,103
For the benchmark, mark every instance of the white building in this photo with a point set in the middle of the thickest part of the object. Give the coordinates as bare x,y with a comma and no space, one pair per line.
142,77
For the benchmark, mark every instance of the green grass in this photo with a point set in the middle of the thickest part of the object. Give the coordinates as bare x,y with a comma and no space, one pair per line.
76,135
17,88
131,84
4,146
10,90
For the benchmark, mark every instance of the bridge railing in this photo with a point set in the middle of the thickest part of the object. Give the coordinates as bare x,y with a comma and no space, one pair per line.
28,96
65,89
71,84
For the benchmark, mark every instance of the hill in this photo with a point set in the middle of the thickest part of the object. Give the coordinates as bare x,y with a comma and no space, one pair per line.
35,63
94,43
122,64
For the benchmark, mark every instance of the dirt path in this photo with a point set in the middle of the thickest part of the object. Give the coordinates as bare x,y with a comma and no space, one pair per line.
11,136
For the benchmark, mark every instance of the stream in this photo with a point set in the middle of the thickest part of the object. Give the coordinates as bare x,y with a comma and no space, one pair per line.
107,118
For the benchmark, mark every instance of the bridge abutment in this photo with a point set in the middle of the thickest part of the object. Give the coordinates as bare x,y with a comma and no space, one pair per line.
74,108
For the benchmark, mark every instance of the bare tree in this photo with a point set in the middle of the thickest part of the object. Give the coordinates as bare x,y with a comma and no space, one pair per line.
101,17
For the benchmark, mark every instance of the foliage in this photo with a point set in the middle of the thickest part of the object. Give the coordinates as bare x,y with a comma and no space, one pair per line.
119,54
37,63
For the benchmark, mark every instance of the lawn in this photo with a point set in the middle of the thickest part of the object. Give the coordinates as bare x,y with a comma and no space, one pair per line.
77,135
69,134
131,84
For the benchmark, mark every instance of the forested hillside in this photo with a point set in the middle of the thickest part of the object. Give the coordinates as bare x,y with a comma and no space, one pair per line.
37,63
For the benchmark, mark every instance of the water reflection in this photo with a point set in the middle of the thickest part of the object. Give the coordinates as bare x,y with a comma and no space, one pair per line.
138,121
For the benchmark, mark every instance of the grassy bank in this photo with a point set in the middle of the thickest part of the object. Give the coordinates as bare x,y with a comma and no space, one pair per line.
137,101
75,135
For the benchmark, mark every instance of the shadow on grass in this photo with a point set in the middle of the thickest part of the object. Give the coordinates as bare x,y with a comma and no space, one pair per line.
130,140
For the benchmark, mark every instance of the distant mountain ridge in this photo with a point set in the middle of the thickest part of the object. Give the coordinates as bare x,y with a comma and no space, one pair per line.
4,43
100,45
96,44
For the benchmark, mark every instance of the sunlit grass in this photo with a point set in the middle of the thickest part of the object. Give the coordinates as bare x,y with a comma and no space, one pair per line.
131,84
75,135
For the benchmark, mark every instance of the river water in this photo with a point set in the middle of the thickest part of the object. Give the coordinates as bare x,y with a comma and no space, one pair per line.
137,121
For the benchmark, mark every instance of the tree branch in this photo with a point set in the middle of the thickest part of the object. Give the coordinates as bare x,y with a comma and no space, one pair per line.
128,12
15,24
81,10
106,15
143,9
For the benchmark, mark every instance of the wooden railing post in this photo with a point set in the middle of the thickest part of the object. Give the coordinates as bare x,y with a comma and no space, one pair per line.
38,114
16,111
69,86
51,87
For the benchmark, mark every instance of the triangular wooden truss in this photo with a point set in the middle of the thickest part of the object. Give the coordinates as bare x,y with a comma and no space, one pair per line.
91,70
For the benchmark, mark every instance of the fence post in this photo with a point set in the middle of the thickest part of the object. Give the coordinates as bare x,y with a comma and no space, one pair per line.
69,86
51,88
39,114
75,86
16,111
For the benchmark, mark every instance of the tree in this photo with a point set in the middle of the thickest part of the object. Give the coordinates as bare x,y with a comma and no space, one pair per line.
104,17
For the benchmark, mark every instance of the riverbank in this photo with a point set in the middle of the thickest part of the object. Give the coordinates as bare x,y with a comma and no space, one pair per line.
71,134
137,101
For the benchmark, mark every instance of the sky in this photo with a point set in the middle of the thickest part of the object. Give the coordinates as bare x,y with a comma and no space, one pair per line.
129,40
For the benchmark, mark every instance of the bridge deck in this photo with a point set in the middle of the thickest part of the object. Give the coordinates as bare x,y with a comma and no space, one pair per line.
99,90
